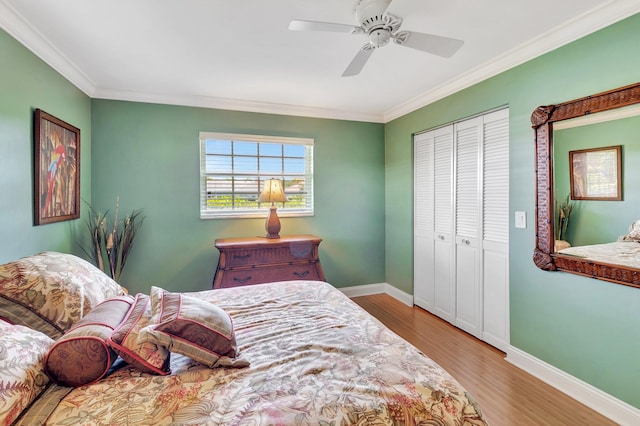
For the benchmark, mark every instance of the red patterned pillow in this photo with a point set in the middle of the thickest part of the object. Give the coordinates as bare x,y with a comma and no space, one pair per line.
82,356
146,356
192,327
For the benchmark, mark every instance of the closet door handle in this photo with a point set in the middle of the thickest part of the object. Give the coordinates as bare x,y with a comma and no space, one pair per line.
441,237
467,242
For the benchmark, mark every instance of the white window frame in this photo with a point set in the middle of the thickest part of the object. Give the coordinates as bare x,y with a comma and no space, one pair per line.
207,212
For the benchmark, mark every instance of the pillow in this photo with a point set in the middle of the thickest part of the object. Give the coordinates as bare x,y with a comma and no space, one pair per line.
634,232
146,356
82,355
191,327
22,377
50,292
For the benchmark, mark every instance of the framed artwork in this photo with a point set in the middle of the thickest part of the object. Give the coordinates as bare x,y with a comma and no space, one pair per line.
57,169
596,173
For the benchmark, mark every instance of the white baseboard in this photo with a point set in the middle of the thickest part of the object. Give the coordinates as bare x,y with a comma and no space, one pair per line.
605,404
367,289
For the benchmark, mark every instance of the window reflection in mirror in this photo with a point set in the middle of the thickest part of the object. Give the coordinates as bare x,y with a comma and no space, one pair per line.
596,221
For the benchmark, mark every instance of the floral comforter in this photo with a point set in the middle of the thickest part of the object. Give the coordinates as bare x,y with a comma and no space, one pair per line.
315,358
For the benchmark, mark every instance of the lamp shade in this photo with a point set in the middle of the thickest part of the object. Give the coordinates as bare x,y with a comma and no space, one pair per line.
272,192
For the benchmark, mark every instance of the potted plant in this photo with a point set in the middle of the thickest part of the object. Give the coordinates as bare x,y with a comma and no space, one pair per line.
110,247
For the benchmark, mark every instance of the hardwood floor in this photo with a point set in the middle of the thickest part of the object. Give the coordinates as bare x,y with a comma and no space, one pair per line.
506,394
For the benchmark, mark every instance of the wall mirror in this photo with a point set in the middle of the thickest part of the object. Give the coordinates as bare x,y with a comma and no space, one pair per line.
605,260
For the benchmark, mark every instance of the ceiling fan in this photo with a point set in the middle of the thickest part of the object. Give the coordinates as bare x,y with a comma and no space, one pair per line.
380,27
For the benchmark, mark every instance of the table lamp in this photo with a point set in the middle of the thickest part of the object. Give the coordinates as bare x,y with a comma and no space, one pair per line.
272,192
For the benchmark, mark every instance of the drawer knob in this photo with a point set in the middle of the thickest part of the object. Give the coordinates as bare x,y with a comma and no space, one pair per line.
301,274
242,280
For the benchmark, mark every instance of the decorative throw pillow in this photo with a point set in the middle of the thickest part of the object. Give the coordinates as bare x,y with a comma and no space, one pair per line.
146,356
50,292
22,377
82,355
634,232
192,327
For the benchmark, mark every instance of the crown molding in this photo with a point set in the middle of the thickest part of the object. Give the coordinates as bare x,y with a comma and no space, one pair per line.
582,25
613,11
20,29
236,105
29,36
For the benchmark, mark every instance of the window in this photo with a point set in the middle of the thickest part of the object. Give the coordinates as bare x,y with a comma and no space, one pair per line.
234,167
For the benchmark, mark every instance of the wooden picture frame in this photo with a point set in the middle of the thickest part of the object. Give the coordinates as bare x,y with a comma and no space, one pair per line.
596,174
56,169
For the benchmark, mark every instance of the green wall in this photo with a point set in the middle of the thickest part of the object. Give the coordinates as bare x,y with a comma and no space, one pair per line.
586,327
27,83
148,155
591,222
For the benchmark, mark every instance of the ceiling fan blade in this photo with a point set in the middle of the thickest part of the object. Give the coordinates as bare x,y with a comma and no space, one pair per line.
359,61
437,45
297,25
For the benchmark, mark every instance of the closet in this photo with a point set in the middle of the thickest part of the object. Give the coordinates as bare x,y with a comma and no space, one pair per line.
461,225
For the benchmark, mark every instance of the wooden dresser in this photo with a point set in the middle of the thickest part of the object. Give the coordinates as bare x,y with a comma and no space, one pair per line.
255,260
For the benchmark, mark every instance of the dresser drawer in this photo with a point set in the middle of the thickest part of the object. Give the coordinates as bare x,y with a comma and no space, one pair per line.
297,251
257,260
249,276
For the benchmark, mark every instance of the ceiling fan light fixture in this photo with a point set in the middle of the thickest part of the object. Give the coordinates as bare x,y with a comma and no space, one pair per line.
379,37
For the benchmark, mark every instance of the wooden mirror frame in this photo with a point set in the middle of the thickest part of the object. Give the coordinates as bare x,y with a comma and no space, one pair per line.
542,120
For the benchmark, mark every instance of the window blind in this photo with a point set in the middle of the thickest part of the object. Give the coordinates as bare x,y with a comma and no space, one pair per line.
233,168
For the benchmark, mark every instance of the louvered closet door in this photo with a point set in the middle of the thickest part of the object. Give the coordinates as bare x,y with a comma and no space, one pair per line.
433,243
495,226
444,288
468,140
423,270
461,225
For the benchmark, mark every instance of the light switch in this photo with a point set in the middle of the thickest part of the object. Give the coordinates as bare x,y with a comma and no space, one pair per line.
521,219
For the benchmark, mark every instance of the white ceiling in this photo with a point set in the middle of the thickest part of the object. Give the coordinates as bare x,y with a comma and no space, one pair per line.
240,55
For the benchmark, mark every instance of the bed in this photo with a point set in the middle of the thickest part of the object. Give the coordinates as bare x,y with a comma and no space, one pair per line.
625,253
301,353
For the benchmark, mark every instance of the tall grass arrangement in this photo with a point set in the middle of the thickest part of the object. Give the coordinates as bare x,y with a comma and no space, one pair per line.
563,212
110,246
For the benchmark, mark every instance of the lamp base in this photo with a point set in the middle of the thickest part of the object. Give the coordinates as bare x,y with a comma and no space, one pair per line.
272,225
